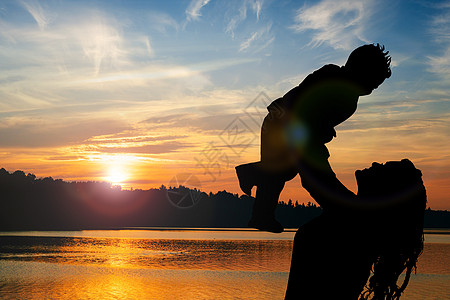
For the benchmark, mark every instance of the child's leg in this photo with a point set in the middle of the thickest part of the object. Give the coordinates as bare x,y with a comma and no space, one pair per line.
248,176
263,214
269,175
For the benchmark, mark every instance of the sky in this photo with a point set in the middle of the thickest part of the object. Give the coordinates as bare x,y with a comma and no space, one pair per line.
151,93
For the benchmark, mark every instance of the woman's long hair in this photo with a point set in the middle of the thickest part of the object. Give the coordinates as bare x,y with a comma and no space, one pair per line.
397,232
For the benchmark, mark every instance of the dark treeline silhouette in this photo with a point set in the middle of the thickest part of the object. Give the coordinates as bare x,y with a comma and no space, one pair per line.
30,203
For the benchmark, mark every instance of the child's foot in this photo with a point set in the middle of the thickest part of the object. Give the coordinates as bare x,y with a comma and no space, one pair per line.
246,177
266,224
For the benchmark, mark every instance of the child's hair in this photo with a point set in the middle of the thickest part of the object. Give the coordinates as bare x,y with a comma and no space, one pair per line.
397,235
372,57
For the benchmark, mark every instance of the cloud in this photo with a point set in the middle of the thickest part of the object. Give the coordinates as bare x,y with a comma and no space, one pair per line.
41,16
133,141
255,6
161,21
399,116
90,56
440,24
440,30
167,119
164,71
101,42
160,148
65,158
440,64
40,134
234,126
193,10
150,50
129,137
246,44
395,125
337,23
80,38
258,40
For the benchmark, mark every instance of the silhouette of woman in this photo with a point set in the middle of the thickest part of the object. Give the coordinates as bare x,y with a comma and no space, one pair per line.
334,254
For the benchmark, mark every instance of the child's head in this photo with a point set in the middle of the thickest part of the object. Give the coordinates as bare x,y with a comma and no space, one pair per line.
369,66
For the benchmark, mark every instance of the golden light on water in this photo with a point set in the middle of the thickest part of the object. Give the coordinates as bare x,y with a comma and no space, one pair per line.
178,264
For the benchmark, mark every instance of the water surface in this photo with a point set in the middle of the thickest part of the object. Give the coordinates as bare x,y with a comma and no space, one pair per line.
173,264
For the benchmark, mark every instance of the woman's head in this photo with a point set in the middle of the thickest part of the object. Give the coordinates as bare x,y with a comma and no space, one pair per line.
393,181
397,225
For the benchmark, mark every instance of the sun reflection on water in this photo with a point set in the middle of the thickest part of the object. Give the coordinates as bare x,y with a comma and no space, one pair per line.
244,255
139,268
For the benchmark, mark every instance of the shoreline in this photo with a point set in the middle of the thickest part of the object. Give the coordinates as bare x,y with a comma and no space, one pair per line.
428,231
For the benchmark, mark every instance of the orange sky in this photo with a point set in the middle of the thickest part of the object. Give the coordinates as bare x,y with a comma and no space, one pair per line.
144,161
140,93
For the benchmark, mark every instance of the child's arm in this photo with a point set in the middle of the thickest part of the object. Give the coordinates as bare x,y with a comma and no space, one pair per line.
322,184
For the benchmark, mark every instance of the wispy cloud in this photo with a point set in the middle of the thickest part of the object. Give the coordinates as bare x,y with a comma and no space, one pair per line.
132,141
258,40
37,133
440,64
255,36
255,6
214,124
338,23
399,116
159,148
164,71
149,47
41,16
161,21
193,10
246,44
440,29
101,43
82,36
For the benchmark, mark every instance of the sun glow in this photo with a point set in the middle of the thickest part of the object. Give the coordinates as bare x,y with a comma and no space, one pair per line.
116,175
118,169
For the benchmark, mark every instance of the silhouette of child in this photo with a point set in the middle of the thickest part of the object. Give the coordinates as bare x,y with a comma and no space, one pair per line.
297,127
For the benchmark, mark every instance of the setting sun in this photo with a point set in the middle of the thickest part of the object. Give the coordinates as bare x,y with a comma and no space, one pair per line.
116,175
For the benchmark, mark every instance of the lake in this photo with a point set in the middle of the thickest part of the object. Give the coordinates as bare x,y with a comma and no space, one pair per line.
165,263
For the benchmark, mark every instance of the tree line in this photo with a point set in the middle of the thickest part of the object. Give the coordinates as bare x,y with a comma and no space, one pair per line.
31,203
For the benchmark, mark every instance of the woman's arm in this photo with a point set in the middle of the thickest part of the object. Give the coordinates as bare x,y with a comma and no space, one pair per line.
321,182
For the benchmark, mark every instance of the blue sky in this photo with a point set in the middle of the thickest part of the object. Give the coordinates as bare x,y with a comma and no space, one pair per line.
89,88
